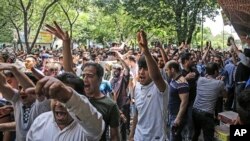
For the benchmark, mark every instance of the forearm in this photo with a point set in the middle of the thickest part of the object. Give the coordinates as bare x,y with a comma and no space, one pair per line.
164,55
133,127
127,69
182,110
153,69
8,126
67,57
22,78
7,91
114,133
89,118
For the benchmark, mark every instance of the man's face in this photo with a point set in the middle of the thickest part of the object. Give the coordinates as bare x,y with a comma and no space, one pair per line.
53,71
116,72
61,115
217,60
91,80
143,76
169,73
29,63
160,62
12,81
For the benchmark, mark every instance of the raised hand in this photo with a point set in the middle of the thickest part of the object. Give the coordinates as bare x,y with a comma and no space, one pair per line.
53,88
58,32
118,55
142,41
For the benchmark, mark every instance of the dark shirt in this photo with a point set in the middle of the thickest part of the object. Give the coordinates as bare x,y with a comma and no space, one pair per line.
242,73
192,83
176,88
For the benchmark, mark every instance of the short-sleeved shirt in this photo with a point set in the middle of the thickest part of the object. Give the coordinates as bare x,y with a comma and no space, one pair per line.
110,112
175,89
151,105
208,91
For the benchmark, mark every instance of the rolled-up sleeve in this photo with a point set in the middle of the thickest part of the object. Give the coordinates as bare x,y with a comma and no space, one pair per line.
87,115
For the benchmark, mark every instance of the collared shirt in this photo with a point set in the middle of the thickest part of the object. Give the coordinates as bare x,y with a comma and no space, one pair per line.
87,125
151,105
22,126
208,91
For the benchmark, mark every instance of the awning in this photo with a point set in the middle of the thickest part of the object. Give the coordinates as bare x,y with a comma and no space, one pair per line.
238,12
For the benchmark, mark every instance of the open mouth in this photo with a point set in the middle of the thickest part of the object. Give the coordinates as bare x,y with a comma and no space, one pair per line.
86,87
23,96
142,78
60,115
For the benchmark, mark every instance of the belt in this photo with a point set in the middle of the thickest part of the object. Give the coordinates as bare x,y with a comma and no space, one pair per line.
203,112
241,82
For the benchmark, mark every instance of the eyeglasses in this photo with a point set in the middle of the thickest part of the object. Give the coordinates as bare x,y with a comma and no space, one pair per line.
88,75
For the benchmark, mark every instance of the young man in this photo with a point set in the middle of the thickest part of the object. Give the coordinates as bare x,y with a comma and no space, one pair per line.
119,83
150,93
26,106
92,78
208,91
72,117
178,100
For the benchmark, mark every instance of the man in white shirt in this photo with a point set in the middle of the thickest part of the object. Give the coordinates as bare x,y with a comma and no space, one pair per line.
149,122
72,117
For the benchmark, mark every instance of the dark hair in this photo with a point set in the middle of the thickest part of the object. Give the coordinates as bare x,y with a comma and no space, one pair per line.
99,68
72,79
132,58
175,65
31,77
243,107
8,73
185,56
211,68
142,62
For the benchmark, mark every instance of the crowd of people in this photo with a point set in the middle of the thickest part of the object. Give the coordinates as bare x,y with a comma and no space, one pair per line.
121,93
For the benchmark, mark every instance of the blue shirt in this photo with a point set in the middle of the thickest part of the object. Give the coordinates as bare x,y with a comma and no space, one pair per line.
105,87
229,72
175,89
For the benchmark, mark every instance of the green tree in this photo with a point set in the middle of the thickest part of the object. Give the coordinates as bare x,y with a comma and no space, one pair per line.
182,14
27,16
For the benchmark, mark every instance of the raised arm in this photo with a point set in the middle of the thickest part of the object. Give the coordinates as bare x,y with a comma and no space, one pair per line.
5,88
153,69
64,36
80,107
245,61
125,66
163,54
21,77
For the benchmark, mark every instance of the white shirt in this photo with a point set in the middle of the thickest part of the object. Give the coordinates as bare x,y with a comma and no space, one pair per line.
87,125
151,105
36,109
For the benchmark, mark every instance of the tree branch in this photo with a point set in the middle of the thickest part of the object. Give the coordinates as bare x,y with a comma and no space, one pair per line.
21,3
28,6
41,22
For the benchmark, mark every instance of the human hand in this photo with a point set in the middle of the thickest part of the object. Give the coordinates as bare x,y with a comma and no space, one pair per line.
190,75
142,40
58,32
118,55
53,88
